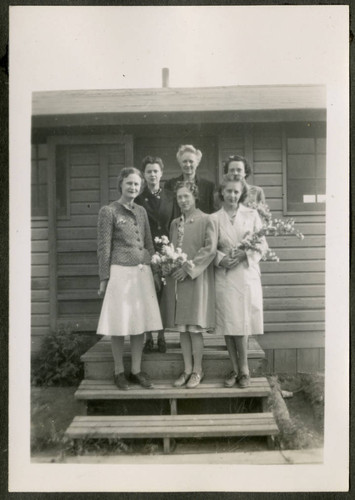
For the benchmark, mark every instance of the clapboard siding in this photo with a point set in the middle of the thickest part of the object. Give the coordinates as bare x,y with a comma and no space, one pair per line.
39,262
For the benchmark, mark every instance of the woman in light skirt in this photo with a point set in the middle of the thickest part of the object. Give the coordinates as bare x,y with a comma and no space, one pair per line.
130,305
239,300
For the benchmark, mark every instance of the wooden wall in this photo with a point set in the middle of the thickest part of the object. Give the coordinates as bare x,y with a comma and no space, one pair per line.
39,264
294,292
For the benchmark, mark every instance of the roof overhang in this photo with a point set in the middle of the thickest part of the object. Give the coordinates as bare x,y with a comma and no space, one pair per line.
167,105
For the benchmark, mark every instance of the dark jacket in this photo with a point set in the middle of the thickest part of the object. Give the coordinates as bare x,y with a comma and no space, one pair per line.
205,200
159,210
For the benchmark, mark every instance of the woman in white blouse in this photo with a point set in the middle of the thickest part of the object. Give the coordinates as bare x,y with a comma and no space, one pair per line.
239,303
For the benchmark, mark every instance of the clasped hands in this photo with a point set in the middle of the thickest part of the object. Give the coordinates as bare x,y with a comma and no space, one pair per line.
179,274
234,258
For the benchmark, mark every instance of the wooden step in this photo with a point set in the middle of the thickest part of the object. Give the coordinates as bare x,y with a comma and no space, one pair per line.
98,359
172,426
105,389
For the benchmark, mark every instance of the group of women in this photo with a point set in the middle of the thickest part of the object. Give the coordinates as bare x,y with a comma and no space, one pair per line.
217,291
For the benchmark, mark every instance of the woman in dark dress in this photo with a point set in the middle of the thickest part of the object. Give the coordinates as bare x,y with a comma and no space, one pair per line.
158,203
189,159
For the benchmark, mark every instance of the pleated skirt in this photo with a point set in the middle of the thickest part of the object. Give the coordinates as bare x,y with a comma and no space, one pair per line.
130,305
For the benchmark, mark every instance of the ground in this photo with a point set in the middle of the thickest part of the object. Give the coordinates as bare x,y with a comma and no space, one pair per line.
299,417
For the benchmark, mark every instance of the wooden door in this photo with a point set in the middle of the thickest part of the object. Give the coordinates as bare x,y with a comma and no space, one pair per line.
90,168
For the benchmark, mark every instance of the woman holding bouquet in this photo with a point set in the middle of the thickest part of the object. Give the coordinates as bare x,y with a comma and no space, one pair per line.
130,305
188,302
239,303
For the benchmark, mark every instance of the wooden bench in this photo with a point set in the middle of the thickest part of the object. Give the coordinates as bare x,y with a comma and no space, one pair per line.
91,390
173,426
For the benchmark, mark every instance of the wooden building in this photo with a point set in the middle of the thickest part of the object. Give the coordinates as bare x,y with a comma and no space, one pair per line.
81,140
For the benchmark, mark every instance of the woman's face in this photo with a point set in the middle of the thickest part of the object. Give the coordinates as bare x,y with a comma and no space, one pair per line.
185,199
152,174
188,162
231,193
237,168
131,186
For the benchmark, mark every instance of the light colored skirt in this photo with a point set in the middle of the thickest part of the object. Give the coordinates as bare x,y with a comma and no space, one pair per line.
130,305
239,301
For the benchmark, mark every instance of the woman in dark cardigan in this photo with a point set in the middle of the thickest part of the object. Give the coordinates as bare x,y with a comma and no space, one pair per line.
189,159
130,305
158,203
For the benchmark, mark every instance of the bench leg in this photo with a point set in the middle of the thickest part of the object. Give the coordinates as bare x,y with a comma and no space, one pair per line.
264,405
173,406
271,442
166,445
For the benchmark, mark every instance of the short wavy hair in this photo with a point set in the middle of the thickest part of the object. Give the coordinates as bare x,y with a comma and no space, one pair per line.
191,186
189,149
125,172
231,158
232,178
151,159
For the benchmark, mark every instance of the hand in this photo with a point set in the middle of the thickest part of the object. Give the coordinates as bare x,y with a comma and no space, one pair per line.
239,256
179,274
232,260
227,262
102,289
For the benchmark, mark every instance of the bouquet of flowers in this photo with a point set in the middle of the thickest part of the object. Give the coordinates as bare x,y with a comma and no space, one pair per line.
270,227
168,259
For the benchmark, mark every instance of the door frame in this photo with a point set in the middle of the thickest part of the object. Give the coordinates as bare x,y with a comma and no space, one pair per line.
53,142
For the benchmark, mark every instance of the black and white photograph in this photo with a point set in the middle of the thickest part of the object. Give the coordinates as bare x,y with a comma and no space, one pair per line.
179,248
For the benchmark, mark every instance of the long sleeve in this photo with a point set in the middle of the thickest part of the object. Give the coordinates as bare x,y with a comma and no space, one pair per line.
104,241
206,254
148,241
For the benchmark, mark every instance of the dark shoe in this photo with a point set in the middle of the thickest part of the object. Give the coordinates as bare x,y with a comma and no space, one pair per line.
161,345
194,380
142,379
184,377
148,346
120,381
230,380
243,380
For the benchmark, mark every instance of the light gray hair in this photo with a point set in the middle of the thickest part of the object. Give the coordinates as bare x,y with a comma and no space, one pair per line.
189,149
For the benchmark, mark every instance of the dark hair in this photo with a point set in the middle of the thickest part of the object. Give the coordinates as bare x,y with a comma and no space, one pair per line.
125,172
191,186
232,178
231,158
152,159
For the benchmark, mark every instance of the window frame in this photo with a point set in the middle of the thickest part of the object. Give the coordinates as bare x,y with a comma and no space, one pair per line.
51,151
285,136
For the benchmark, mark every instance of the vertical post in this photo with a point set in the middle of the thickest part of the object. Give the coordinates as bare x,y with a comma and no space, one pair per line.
173,406
248,148
52,233
104,186
166,445
165,75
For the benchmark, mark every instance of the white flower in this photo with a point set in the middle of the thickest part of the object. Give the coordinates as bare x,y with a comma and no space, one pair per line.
156,259
165,240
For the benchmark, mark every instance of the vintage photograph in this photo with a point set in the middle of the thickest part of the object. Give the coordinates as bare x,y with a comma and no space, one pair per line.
179,247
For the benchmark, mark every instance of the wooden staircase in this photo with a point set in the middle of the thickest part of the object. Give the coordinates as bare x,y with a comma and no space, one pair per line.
166,412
